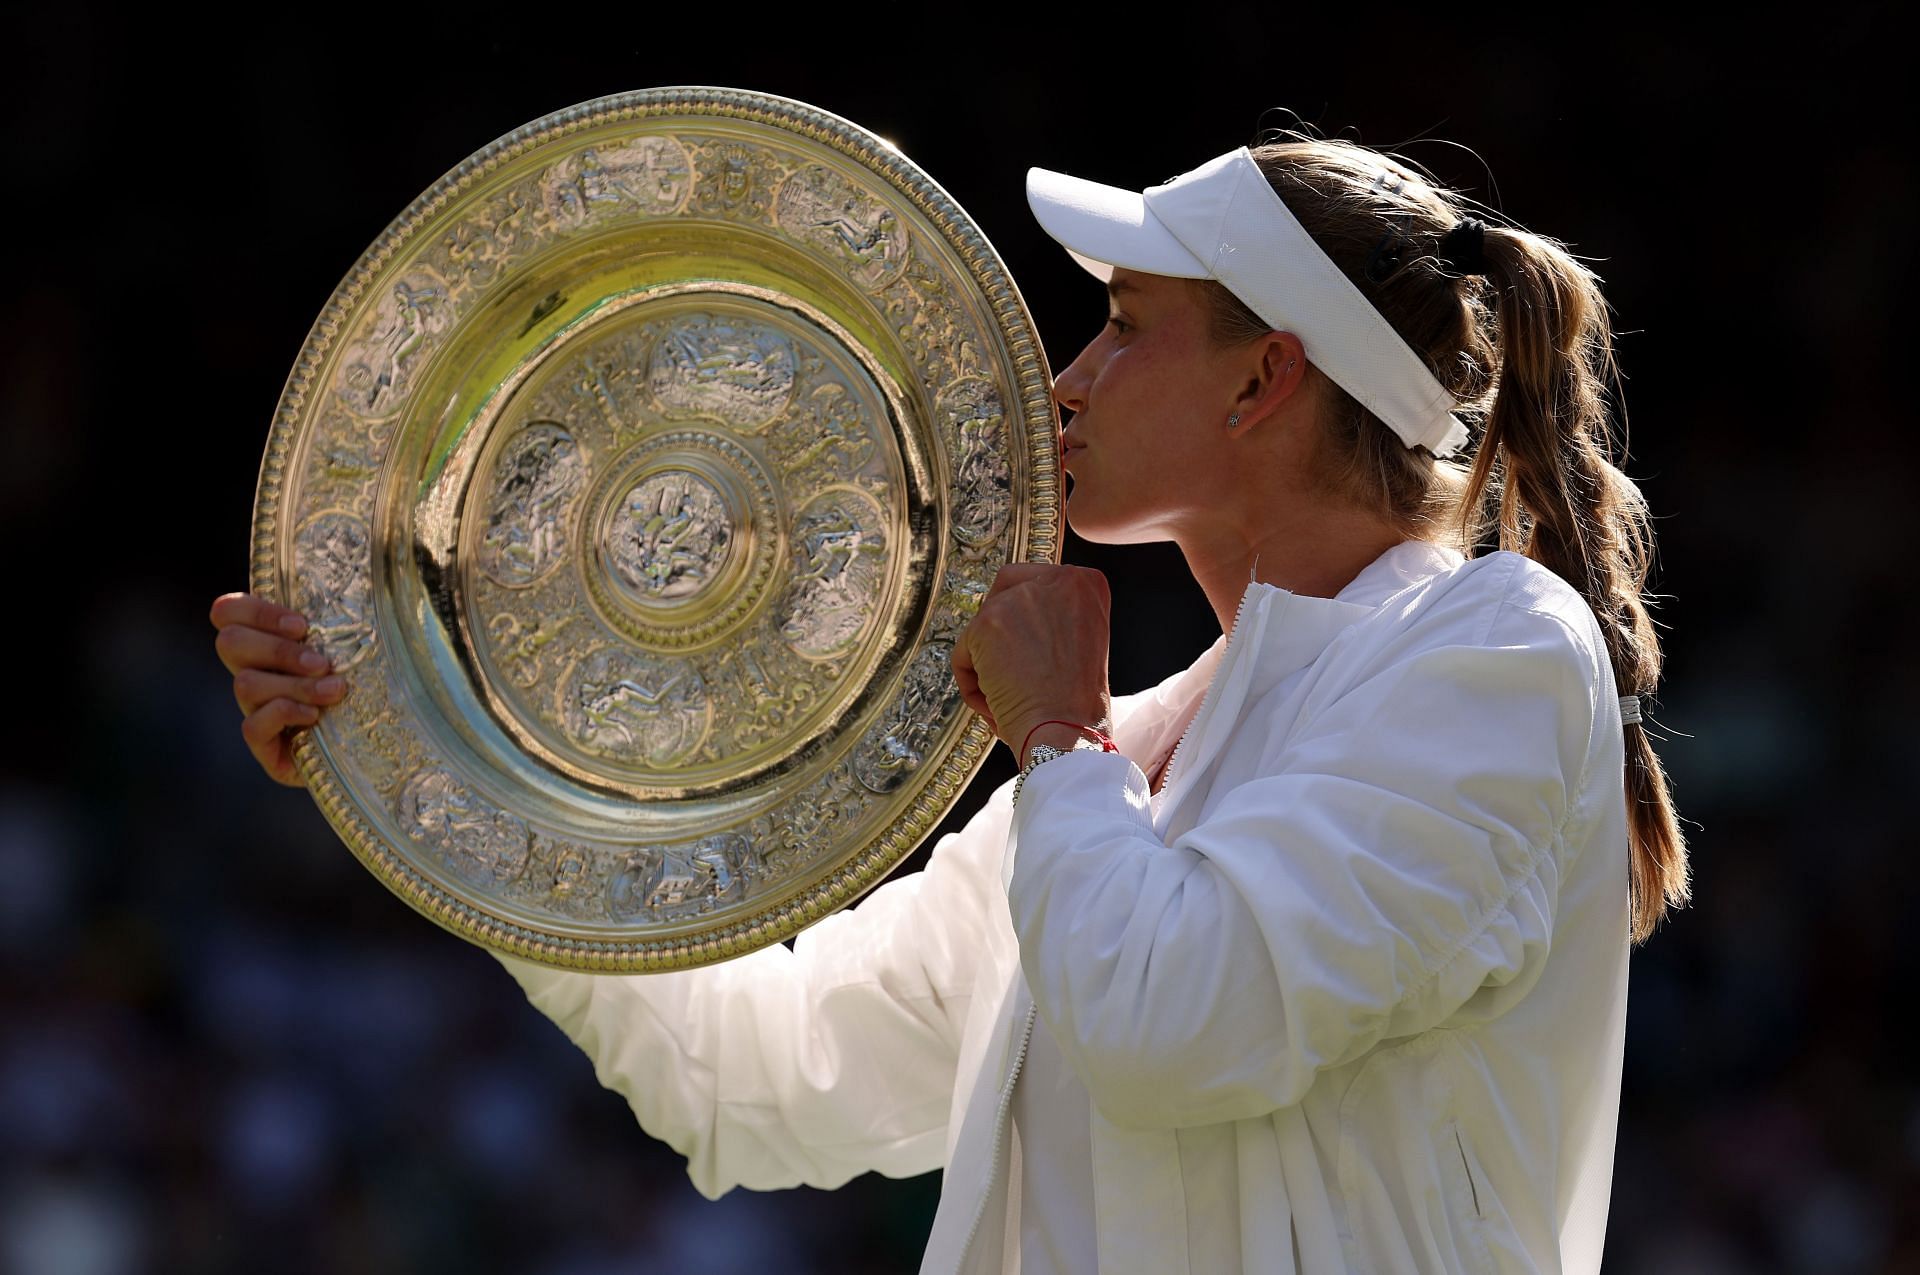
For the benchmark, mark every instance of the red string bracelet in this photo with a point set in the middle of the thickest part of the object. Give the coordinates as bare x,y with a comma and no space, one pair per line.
1106,741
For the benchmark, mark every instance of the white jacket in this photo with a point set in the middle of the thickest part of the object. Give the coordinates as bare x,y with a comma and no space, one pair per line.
1349,995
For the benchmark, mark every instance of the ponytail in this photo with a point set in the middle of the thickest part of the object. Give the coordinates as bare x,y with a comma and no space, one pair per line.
1545,474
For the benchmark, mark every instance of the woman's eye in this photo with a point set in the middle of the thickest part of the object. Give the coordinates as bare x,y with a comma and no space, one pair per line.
1117,323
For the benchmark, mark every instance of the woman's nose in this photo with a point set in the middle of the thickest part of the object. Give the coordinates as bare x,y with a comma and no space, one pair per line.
1070,387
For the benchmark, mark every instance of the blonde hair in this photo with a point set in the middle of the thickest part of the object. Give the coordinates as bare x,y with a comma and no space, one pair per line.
1527,349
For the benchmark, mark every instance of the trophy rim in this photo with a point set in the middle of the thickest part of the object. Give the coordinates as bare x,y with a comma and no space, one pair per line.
1010,322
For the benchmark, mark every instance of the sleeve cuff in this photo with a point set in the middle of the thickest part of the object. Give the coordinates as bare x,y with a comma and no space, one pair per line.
1074,787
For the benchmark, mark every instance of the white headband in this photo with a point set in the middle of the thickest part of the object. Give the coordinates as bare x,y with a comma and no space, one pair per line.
1223,221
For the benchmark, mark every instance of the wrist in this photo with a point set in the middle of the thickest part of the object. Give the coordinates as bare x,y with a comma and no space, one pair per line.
1062,737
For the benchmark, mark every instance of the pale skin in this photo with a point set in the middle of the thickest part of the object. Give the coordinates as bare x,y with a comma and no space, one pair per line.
1152,456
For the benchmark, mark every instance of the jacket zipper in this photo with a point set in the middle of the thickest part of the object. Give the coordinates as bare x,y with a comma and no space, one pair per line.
999,1130
1213,687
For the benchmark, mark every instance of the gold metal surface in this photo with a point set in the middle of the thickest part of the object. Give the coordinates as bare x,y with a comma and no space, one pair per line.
639,478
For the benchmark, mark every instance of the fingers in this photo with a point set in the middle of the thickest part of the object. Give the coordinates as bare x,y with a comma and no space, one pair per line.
265,733
253,687
256,612
277,679
241,646
968,681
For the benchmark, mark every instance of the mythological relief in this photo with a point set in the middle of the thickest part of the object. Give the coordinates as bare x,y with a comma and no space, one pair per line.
717,365
735,181
393,341
486,845
850,226
479,248
965,591
670,538
635,708
533,484
900,744
840,552
333,585
670,883
647,175
562,877
819,816
975,421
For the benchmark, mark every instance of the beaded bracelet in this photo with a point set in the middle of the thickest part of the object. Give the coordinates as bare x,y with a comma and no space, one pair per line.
1101,737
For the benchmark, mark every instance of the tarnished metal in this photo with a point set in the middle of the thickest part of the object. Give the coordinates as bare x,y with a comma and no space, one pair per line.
639,478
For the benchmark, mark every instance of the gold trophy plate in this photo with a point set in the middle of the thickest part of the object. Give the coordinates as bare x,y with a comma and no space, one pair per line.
639,478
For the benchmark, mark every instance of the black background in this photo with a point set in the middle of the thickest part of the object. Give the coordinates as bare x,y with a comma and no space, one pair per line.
228,1048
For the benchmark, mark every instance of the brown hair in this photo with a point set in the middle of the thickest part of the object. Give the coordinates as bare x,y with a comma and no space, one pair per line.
1527,350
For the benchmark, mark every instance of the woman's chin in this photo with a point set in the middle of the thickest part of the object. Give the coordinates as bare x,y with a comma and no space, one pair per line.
1091,526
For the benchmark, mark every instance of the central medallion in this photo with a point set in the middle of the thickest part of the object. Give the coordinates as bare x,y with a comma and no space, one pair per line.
684,538
671,536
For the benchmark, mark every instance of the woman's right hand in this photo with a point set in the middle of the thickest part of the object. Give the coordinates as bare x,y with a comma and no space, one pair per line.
280,682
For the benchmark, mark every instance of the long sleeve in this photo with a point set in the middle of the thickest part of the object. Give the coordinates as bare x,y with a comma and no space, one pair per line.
1394,856
811,1065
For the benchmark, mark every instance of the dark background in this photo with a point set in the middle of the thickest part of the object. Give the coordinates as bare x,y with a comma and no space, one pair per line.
227,1048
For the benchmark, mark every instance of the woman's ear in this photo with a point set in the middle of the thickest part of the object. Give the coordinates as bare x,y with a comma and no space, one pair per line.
1274,369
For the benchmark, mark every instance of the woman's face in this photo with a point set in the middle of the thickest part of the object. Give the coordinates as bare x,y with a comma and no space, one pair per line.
1149,398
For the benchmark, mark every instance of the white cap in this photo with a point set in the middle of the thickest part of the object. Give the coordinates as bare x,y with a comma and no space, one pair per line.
1223,221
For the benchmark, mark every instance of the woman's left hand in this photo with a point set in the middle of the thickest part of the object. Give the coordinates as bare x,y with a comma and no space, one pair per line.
1037,651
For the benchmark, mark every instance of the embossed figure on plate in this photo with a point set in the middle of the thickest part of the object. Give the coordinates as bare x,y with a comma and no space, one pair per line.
646,175
636,708
840,551
375,368
334,587
735,181
534,481
672,882
486,845
972,410
482,246
719,365
671,536
899,745
821,206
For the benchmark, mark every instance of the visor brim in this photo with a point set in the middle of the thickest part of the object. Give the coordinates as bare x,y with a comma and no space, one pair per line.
1104,226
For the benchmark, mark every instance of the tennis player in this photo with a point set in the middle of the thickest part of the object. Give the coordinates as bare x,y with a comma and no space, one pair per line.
1314,956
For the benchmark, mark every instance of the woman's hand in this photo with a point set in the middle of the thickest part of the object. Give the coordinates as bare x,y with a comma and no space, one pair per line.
279,681
1037,651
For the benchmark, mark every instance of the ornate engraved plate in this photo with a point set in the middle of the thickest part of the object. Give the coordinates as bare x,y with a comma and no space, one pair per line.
640,476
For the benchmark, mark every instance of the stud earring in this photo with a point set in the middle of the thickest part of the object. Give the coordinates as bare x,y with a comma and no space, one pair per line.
1233,420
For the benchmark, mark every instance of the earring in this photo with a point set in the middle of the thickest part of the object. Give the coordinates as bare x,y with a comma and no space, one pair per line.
1233,420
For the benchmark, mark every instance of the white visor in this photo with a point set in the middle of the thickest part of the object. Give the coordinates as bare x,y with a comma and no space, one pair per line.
1223,221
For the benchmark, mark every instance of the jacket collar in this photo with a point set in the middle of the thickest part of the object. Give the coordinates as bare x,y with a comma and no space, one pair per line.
1275,634
1297,629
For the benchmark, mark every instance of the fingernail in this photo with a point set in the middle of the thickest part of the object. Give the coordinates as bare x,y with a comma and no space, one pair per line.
312,660
292,625
330,685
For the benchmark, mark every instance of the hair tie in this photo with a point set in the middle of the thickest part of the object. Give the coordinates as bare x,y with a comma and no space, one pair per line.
1461,249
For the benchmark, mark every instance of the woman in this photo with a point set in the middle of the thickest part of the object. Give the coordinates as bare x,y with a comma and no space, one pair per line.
1314,956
